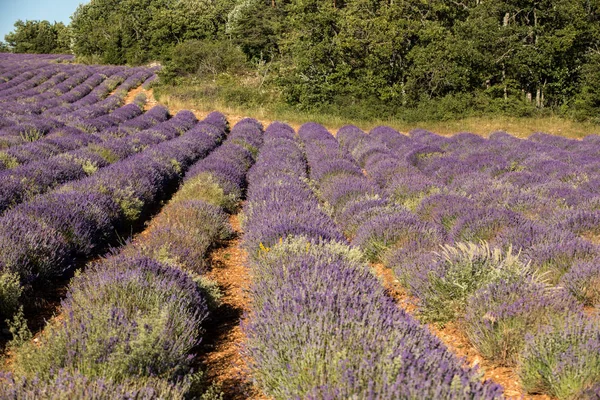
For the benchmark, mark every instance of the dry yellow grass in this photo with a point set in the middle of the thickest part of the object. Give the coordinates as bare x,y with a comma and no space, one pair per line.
516,126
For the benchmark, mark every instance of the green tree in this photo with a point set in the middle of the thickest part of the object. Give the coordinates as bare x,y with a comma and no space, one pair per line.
40,37
136,31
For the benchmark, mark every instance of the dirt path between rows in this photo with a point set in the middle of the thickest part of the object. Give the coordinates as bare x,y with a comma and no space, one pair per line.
220,353
456,341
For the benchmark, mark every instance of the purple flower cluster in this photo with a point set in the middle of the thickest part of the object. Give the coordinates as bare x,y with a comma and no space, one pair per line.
537,196
23,182
322,325
49,234
228,165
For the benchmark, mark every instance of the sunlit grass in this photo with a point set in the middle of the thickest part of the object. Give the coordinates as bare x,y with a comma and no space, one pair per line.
183,97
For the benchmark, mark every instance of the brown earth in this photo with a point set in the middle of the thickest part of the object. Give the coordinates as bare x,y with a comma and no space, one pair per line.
132,93
456,341
220,353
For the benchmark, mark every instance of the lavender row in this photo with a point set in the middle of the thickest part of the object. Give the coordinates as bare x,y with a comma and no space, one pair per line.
225,169
82,82
179,236
96,104
26,127
25,77
24,182
73,90
506,309
42,75
122,122
86,101
50,84
153,287
60,83
314,297
48,235
35,129
13,65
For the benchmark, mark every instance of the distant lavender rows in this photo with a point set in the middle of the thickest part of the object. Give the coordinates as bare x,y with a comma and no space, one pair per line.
321,325
44,99
541,196
151,297
42,238
422,191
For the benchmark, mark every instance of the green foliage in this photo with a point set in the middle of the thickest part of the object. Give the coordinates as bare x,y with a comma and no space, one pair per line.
184,233
203,58
500,315
205,187
587,102
18,328
461,270
562,360
202,389
210,289
136,31
255,27
40,37
406,59
31,135
10,291
7,161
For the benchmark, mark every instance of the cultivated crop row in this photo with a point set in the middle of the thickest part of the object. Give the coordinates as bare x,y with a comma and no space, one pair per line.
132,320
322,325
52,233
55,97
514,217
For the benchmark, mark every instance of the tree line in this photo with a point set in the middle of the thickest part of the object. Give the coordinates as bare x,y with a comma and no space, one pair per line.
516,57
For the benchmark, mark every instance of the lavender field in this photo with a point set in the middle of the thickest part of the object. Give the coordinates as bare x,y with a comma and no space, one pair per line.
124,206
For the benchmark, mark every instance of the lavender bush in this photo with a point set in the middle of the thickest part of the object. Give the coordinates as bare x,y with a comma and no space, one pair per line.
77,386
500,315
124,317
563,360
583,282
455,273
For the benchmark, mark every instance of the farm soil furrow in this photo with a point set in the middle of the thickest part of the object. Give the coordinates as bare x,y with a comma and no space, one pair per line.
456,341
220,354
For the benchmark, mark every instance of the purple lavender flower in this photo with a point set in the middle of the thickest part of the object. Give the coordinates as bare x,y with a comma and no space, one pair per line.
500,315
563,359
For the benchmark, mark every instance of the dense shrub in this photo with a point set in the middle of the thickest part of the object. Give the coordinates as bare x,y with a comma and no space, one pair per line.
500,315
203,58
456,272
563,359
124,317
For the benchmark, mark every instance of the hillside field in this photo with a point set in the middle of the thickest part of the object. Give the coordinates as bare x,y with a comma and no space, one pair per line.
153,248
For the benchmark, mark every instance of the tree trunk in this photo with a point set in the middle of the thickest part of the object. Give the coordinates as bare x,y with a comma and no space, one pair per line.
504,81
